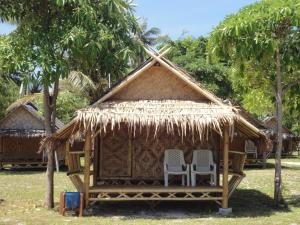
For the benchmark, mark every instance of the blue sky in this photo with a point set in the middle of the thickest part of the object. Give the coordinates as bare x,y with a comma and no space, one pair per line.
173,17
196,17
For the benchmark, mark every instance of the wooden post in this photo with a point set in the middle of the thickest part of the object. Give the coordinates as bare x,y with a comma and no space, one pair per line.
264,166
96,159
87,163
67,157
225,166
56,161
1,152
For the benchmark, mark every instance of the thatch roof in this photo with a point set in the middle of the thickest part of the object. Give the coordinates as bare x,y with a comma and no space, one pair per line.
271,123
175,116
17,123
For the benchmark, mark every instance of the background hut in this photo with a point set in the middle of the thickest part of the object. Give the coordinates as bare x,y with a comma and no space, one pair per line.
263,148
156,107
21,131
289,140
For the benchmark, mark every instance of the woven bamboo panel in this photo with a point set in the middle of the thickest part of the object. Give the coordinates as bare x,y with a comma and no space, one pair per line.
115,154
21,149
11,149
142,157
148,153
29,148
157,83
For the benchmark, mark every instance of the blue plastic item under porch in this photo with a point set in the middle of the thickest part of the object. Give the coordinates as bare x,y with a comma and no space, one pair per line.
72,200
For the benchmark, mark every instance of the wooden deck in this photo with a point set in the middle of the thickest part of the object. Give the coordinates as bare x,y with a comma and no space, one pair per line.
145,193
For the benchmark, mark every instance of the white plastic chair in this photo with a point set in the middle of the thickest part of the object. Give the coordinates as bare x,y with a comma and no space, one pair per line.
250,148
203,164
174,164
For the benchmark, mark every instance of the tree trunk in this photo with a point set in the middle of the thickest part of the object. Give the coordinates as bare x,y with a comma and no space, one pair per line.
277,180
48,109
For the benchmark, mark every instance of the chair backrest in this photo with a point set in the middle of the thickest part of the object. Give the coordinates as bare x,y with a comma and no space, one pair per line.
203,158
174,158
250,147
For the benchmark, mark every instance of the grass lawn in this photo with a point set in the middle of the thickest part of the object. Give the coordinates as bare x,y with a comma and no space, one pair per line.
22,192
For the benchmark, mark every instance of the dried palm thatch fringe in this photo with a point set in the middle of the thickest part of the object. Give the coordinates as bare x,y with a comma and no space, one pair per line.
172,115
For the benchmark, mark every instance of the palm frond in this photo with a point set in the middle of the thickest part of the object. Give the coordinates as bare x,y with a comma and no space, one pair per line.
81,81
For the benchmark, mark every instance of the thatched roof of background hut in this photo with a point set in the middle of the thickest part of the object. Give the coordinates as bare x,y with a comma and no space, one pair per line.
24,120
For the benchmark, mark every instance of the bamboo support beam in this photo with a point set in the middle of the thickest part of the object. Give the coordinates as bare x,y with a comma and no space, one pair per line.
67,159
154,189
180,75
237,152
225,167
131,78
87,163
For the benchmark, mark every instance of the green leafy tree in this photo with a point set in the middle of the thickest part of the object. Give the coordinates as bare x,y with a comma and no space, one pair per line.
191,54
53,37
265,37
8,90
68,102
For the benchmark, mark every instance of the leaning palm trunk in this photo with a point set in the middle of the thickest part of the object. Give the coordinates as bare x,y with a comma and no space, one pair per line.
278,180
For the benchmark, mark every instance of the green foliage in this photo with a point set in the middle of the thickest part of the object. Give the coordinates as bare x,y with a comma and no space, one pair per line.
248,40
8,94
67,104
292,109
257,103
53,37
191,54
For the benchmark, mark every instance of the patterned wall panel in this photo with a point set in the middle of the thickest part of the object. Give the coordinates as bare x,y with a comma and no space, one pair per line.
115,154
143,158
148,153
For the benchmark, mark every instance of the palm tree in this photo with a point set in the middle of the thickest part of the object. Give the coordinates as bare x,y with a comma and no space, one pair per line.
78,81
30,84
147,37
150,36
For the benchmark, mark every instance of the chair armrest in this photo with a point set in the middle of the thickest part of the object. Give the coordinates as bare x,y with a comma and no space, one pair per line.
165,167
214,167
193,167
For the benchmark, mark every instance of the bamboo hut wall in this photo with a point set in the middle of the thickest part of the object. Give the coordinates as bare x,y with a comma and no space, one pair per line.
141,157
16,149
158,83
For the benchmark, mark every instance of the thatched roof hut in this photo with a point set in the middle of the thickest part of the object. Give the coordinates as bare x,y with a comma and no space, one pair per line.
21,131
290,141
156,107
264,148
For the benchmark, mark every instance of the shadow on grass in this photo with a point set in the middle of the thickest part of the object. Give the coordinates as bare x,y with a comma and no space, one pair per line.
26,171
293,200
245,203
272,166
